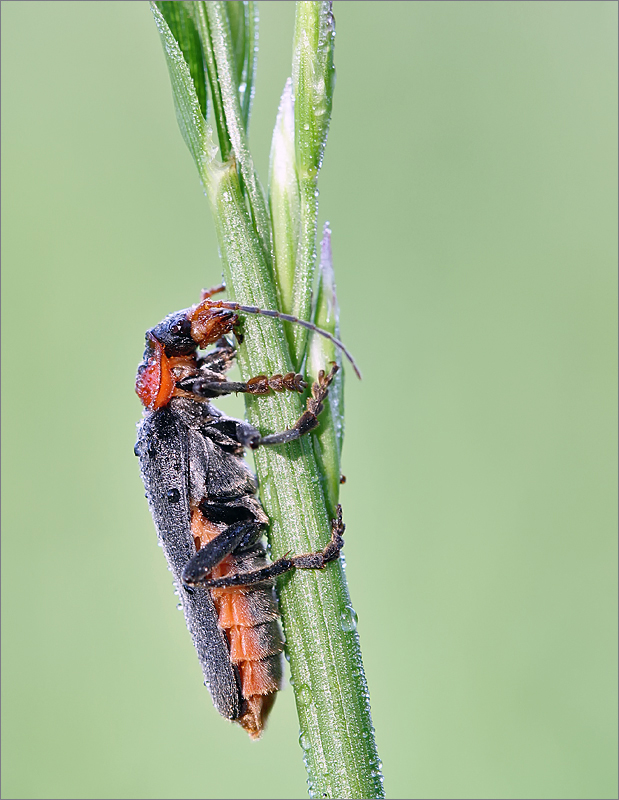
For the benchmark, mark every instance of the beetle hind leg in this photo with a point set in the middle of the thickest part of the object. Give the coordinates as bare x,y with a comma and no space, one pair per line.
317,560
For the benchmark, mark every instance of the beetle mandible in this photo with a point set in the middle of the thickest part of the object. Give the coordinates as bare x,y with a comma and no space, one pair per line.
202,497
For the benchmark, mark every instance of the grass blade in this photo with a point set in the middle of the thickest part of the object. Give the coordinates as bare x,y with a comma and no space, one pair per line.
195,131
182,26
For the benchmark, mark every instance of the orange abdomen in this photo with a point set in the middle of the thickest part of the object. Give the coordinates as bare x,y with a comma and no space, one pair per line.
249,617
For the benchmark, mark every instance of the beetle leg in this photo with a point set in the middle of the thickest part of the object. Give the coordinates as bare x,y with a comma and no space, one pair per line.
240,534
317,560
261,384
221,358
248,436
309,419
203,387
213,290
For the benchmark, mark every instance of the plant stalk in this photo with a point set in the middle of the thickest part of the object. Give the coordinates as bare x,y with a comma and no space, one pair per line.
319,621
320,624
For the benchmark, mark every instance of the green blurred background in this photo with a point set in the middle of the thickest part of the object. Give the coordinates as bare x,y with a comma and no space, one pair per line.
470,181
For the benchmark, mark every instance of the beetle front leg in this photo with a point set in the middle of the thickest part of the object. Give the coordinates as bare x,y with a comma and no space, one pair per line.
316,560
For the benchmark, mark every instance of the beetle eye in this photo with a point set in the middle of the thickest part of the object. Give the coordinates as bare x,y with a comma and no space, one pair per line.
180,330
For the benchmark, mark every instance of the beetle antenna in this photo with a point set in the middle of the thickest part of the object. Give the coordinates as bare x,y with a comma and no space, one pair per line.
286,318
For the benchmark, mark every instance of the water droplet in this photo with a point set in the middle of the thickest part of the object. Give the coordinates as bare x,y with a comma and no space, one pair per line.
265,486
304,741
304,695
306,126
179,606
348,619
173,495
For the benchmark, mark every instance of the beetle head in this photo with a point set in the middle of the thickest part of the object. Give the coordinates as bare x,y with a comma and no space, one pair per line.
174,333
178,335
171,338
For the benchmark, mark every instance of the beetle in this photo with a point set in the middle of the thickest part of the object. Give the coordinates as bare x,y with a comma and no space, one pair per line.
202,497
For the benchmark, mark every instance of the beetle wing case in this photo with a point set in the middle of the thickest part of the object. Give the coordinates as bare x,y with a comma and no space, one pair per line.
163,450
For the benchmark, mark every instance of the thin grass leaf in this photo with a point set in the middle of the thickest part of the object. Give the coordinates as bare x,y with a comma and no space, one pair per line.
251,61
284,201
235,10
180,21
329,436
243,19
313,81
195,131
313,78
201,21
221,40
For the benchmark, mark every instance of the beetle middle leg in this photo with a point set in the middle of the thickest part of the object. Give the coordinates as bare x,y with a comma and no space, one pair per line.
196,571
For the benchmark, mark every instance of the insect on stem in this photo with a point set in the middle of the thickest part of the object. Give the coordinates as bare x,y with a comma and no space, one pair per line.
202,498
